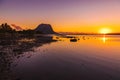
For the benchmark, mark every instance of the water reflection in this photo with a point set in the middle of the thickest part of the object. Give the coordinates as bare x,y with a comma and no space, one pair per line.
72,57
104,39
12,48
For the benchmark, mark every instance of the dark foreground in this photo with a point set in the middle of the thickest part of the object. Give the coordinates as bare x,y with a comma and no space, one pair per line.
46,58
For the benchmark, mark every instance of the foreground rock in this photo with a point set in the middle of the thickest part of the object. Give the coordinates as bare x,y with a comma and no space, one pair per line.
44,29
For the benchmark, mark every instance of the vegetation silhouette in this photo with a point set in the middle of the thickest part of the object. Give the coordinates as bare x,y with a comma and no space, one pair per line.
5,28
41,29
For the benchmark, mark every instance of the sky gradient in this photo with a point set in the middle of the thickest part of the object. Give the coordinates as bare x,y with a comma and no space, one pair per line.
63,15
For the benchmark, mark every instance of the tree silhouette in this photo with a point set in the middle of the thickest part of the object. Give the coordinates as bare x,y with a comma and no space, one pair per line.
5,28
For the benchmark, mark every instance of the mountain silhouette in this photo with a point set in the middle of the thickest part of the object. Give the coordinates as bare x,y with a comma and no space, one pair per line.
45,29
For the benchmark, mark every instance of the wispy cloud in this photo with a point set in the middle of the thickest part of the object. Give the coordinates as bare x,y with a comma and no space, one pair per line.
16,27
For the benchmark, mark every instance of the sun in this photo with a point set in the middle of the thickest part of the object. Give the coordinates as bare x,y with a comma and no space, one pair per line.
105,30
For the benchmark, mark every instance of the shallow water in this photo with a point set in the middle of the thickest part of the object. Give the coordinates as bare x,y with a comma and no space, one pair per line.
91,57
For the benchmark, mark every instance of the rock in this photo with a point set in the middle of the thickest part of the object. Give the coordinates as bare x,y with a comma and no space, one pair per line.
45,29
73,40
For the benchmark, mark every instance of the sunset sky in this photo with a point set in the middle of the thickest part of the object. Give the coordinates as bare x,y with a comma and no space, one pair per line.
63,15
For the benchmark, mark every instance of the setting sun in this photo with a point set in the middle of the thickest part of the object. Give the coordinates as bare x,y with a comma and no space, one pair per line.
105,31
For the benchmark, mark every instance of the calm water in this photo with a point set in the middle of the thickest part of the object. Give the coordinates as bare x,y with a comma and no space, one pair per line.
89,58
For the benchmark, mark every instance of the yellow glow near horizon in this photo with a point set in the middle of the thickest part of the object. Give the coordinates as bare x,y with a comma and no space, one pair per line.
105,31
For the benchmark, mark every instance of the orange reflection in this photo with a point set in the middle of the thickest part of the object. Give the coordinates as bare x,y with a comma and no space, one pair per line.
104,39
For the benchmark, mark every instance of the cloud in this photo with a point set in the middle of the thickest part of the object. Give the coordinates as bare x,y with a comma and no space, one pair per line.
16,27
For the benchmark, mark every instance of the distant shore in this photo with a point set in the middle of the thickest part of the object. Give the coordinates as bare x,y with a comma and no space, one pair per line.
77,33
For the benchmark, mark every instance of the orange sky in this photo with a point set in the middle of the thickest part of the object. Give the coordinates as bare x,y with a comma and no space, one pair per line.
64,15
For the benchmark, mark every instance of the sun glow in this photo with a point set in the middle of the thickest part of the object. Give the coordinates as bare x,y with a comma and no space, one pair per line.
105,31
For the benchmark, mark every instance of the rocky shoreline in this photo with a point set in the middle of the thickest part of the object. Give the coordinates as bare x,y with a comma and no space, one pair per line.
13,46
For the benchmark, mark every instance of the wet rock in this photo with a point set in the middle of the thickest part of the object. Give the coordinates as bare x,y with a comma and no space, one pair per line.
73,40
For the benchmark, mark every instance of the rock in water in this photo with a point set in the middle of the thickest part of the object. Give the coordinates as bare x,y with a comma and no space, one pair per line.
44,29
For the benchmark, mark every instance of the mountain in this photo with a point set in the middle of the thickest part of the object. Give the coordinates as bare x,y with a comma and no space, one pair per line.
45,29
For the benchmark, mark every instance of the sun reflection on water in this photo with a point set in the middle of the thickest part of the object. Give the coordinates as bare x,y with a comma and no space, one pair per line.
104,39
